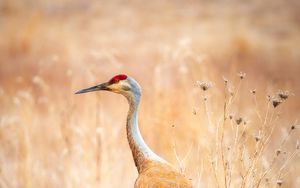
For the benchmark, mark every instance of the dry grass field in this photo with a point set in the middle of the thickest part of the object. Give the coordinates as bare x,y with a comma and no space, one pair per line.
222,127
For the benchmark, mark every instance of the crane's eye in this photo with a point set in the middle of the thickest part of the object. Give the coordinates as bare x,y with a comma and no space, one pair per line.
117,78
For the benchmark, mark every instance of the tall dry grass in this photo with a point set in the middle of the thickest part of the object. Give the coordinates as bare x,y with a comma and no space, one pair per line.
225,136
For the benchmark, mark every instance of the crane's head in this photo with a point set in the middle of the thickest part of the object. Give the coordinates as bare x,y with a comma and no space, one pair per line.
121,84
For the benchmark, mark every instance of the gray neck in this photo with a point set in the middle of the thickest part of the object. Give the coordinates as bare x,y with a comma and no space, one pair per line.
139,148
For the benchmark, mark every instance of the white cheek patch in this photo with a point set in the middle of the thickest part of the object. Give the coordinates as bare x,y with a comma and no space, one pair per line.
115,87
120,86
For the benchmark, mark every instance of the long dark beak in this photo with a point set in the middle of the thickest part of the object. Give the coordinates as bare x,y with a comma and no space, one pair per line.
103,86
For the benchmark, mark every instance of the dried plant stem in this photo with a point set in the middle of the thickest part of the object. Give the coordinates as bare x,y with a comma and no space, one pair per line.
263,143
259,147
222,143
266,116
215,163
274,158
257,110
214,169
291,157
232,99
180,161
266,141
186,156
283,175
232,157
199,171
225,164
207,112
242,160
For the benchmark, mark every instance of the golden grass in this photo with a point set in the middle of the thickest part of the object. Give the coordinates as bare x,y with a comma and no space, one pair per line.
49,49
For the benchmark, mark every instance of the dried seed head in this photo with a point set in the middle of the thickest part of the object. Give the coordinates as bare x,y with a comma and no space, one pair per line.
253,91
269,97
257,138
278,152
242,75
204,85
194,112
280,97
225,80
279,182
283,94
276,102
245,121
239,120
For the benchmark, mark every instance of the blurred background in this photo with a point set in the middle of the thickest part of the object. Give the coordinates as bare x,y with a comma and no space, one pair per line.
51,48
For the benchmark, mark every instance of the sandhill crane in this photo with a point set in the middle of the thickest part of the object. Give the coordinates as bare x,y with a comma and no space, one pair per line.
154,172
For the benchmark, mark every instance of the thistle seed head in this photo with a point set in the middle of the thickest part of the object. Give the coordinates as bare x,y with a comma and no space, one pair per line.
283,95
242,75
225,80
257,138
278,152
253,91
278,98
204,85
239,120
269,97
276,102
194,111
279,182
